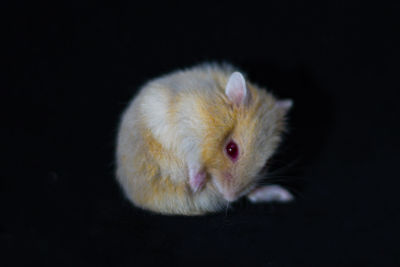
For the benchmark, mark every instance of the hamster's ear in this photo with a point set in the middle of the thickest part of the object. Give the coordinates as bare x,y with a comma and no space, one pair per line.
284,105
236,89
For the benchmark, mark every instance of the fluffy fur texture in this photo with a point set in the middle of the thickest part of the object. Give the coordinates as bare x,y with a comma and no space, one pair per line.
171,154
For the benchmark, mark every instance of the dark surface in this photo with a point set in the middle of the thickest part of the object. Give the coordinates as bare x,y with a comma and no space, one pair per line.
73,68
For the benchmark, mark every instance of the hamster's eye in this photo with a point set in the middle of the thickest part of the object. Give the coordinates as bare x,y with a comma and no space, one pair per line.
232,150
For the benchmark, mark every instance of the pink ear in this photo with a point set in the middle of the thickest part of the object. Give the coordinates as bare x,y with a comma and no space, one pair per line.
284,105
236,89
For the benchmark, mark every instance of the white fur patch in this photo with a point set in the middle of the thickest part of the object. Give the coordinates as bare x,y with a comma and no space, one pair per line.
155,110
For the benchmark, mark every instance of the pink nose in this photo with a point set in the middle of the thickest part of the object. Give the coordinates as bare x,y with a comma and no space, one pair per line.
228,177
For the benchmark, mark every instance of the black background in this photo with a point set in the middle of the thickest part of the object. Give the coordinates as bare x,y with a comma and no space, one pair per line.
72,68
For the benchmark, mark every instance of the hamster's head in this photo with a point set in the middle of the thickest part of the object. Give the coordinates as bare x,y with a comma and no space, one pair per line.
244,128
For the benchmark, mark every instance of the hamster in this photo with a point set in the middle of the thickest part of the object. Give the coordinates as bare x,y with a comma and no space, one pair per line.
194,140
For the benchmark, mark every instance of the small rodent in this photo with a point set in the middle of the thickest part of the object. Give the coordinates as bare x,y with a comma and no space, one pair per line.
196,139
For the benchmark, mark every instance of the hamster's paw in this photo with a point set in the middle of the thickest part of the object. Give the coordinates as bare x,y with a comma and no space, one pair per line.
270,193
197,178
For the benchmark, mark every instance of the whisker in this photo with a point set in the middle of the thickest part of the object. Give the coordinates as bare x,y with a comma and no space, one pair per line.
285,167
226,208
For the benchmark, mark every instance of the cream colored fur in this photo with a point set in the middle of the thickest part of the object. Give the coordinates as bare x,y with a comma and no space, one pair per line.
184,119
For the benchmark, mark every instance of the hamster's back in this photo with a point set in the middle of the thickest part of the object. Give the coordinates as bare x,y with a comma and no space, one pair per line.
209,77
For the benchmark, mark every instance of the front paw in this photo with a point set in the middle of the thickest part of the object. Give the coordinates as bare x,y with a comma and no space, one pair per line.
270,193
197,179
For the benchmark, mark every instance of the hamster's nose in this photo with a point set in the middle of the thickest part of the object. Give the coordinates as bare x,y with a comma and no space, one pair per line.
229,196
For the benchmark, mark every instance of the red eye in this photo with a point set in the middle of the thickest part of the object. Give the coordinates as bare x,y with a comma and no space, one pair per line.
232,150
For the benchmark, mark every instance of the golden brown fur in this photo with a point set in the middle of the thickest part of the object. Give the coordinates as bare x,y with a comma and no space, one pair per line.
187,115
